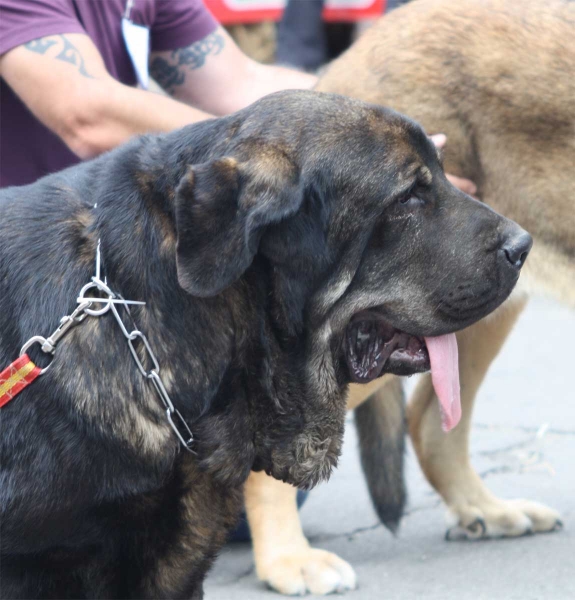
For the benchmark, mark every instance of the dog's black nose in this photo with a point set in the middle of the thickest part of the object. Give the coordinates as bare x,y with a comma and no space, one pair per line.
517,247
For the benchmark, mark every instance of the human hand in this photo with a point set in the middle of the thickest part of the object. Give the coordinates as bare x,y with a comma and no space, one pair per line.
465,185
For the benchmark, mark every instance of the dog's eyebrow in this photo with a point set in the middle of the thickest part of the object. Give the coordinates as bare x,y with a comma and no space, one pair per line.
408,172
425,175
439,153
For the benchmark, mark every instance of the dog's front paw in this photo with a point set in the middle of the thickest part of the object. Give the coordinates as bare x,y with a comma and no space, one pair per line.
311,570
495,518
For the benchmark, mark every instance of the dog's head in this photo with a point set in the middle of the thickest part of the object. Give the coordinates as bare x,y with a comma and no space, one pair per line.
363,246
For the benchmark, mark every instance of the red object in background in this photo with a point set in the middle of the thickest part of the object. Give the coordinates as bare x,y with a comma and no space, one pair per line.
230,12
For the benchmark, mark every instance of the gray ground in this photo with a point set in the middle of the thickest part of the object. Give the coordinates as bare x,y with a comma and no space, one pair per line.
523,444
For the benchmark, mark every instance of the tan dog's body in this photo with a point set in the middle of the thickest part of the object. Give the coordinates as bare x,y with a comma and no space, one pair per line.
496,77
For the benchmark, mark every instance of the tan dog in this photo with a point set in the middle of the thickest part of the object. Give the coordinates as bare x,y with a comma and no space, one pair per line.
496,77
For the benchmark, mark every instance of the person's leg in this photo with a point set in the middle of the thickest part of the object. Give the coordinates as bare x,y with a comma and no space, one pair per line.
301,39
391,4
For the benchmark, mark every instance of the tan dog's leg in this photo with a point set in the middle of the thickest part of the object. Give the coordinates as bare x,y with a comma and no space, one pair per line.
444,458
282,554
359,393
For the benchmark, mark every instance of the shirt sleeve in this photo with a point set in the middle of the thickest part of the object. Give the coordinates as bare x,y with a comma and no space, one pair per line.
179,23
22,21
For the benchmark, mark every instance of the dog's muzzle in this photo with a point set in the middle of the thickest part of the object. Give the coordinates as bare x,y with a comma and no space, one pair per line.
372,346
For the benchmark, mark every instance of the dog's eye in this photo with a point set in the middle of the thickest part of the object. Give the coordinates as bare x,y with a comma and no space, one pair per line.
411,200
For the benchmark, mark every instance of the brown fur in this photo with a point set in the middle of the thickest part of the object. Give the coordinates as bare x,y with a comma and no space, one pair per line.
256,330
495,76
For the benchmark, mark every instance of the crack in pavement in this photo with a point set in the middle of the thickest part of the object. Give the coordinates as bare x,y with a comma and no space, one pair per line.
327,537
248,573
550,430
315,539
537,434
517,469
511,447
497,471
519,457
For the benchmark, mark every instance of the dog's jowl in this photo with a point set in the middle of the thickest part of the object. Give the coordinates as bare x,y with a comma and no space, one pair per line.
281,252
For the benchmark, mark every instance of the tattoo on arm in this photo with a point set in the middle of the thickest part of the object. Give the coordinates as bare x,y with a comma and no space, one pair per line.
170,73
68,52
166,75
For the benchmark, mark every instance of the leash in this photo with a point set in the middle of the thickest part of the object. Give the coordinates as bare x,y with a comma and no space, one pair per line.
22,372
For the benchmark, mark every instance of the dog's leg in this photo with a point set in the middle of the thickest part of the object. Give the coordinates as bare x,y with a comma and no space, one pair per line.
282,554
380,423
444,458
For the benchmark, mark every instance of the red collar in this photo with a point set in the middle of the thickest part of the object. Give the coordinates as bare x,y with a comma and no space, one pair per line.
15,377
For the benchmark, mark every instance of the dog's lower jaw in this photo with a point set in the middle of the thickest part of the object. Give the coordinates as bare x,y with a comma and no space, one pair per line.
307,461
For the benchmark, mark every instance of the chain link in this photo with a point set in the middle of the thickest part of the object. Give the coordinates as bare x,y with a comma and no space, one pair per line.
134,336
84,309
175,419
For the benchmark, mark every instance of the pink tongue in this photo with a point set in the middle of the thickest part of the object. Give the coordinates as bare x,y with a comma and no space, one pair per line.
445,376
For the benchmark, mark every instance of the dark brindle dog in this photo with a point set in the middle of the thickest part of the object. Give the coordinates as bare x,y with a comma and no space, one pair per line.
255,241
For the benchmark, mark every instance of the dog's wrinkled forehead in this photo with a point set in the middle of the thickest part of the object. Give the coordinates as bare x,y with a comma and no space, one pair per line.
348,144
314,125
301,159
377,157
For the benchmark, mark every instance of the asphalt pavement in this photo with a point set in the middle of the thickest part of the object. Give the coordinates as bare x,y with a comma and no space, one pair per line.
523,445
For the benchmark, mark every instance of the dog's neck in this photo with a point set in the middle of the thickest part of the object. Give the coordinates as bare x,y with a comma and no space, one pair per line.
205,369
215,334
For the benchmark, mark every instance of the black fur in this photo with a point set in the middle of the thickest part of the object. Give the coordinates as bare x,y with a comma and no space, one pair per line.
253,239
380,423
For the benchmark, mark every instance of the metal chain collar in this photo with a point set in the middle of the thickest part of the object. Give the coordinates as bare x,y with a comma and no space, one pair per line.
84,309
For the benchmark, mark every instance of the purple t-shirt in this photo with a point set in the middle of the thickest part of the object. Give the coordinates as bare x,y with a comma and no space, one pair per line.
28,149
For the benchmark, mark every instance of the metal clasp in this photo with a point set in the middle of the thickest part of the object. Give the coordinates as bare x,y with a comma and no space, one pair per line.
37,339
108,302
66,323
48,345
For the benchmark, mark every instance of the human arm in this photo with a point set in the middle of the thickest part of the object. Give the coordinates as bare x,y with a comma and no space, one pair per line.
465,185
63,81
213,74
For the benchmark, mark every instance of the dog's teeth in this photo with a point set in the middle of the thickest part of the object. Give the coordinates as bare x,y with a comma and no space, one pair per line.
372,345
364,361
351,348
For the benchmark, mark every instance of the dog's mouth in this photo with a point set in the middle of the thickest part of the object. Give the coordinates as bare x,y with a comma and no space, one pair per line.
373,346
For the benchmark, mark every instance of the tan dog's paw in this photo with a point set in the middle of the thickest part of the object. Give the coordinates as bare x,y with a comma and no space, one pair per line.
501,518
312,570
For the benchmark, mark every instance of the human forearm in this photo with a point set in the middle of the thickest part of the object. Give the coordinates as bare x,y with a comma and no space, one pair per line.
112,113
63,81
213,74
267,79
257,81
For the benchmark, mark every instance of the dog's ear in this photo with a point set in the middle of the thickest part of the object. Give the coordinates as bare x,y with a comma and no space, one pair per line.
222,208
